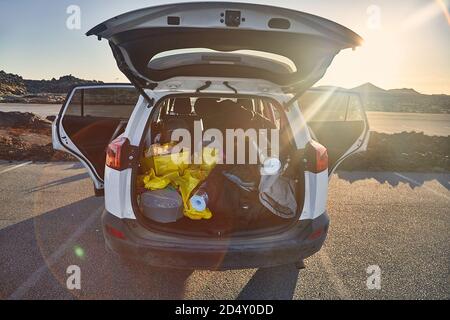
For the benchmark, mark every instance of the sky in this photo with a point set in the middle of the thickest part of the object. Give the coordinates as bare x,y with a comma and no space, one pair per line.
407,42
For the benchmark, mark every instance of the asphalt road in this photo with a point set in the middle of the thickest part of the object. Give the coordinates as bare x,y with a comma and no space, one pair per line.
386,122
400,222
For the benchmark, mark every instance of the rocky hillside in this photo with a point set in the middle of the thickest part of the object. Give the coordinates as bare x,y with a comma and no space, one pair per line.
402,100
61,85
13,88
11,84
398,100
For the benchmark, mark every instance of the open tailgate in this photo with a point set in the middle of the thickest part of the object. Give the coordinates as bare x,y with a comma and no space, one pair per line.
309,41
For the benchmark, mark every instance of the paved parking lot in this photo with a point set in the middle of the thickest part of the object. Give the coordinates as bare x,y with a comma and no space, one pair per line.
400,222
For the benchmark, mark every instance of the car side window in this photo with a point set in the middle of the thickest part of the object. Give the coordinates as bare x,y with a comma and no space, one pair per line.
330,106
103,103
120,102
74,107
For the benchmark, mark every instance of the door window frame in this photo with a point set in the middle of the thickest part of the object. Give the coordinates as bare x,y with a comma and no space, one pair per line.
64,141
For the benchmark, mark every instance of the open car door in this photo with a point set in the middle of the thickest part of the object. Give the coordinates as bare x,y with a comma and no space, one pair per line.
90,118
337,120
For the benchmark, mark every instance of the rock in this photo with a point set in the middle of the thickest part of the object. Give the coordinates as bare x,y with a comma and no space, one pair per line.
11,84
22,120
402,152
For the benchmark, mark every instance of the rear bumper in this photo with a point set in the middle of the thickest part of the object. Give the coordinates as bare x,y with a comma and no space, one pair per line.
299,242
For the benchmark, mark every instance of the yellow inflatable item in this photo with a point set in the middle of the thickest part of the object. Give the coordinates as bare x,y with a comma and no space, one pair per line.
186,184
153,182
167,169
167,163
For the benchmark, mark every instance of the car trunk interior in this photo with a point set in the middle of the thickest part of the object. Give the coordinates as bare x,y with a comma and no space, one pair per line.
234,212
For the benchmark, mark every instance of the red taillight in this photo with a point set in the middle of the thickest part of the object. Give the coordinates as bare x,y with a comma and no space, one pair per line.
317,157
114,153
115,232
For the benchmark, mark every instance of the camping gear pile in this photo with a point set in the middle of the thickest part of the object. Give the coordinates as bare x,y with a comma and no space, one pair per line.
166,169
239,192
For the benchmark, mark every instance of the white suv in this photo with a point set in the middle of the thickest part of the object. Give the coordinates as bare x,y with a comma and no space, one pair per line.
215,63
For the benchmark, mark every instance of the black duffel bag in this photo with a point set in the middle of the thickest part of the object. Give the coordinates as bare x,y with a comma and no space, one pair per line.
233,195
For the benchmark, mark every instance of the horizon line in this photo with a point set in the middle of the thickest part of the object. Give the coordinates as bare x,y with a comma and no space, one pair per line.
321,85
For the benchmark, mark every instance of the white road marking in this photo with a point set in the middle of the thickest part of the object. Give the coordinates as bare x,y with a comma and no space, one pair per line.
53,258
15,167
341,289
422,185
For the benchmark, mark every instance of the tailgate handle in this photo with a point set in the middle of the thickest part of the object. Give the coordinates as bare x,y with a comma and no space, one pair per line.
227,84
205,86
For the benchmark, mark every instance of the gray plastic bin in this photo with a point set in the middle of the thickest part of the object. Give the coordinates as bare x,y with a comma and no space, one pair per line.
163,206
